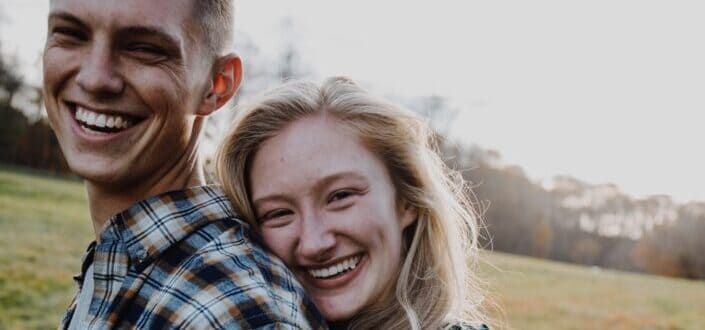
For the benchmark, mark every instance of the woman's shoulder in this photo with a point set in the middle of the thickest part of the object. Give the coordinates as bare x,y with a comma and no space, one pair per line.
465,325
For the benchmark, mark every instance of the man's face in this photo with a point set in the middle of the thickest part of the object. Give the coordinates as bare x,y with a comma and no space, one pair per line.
123,85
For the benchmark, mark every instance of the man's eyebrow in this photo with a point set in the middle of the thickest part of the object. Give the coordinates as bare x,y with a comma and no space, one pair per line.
66,16
129,30
151,31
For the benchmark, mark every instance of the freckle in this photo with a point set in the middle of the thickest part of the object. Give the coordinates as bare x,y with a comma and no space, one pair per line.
281,160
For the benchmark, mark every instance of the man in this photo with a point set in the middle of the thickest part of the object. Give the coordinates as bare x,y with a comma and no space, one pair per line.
128,85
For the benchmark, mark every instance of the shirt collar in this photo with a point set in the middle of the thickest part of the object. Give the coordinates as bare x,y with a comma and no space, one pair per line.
149,227
86,261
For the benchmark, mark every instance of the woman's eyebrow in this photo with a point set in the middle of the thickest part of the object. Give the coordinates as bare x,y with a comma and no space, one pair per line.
330,179
317,188
270,198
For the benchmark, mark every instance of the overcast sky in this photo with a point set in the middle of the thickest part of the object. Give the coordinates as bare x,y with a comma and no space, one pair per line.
606,91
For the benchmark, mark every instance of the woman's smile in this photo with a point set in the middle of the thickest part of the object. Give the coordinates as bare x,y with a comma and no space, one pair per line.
334,276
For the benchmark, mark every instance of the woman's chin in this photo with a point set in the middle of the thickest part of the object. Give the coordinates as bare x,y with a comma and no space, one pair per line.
337,309
342,297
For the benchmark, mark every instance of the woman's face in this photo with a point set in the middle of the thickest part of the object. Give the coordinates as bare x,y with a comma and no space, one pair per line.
327,207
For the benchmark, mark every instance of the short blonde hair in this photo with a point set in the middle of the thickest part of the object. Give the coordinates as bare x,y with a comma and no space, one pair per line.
434,285
215,19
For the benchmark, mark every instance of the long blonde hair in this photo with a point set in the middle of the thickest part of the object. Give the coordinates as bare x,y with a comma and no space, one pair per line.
434,285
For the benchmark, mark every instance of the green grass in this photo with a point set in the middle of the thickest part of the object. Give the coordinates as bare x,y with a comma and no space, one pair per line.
540,294
44,229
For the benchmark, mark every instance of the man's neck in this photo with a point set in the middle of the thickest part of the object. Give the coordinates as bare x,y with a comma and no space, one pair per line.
104,201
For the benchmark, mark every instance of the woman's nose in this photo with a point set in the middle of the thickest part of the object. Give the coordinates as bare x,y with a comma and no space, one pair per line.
317,240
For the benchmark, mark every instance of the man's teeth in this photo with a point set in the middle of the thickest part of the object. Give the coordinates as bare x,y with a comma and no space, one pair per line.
96,119
336,269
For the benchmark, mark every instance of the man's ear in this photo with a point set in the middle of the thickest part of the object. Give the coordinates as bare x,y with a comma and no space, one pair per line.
224,83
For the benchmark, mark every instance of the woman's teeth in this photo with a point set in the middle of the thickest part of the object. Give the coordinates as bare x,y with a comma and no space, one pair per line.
337,269
100,121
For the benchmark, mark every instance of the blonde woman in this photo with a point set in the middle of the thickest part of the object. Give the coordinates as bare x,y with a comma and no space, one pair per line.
350,193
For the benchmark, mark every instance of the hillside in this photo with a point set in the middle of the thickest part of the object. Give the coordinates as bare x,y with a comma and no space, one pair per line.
44,229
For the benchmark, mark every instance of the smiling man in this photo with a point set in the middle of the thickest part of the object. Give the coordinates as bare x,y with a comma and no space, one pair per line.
128,86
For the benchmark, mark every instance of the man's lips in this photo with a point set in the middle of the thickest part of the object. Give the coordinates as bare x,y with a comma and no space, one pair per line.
101,122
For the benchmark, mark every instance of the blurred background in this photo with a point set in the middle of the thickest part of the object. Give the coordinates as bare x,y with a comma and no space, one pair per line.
577,123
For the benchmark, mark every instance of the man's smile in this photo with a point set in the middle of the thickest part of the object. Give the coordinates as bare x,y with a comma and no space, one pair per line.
101,122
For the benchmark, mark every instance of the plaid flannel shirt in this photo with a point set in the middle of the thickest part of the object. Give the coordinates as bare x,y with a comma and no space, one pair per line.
184,260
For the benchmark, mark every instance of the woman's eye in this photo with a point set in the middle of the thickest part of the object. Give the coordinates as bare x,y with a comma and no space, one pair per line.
340,195
276,218
276,214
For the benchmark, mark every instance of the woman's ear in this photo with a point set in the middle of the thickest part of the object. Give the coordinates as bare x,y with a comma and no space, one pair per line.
224,83
408,214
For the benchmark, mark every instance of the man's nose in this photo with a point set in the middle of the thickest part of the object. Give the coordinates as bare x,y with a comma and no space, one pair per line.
98,73
317,239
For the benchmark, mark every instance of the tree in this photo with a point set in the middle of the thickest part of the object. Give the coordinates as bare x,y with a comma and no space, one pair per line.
10,80
437,110
25,138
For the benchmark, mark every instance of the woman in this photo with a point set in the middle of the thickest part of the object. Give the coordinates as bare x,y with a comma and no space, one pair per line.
348,191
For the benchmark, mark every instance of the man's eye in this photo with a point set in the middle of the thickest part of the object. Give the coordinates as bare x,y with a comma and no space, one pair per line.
146,51
69,33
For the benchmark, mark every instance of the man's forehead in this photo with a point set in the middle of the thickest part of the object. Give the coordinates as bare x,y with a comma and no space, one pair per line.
169,15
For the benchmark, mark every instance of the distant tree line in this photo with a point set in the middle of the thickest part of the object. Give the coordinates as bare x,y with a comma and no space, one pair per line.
676,249
25,136
522,217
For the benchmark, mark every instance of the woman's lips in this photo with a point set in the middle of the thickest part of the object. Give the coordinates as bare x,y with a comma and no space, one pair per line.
321,281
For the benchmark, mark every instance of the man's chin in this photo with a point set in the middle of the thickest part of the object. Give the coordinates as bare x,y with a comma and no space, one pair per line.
102,174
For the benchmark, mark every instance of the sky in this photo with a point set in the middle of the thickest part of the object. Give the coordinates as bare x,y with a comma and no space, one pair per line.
602,90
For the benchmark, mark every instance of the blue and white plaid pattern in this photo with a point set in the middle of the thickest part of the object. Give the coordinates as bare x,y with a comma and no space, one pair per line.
184,260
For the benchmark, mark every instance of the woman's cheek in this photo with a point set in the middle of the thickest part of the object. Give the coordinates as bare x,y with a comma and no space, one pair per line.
279,241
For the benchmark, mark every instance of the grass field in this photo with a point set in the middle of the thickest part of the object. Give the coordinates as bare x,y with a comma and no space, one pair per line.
44,229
